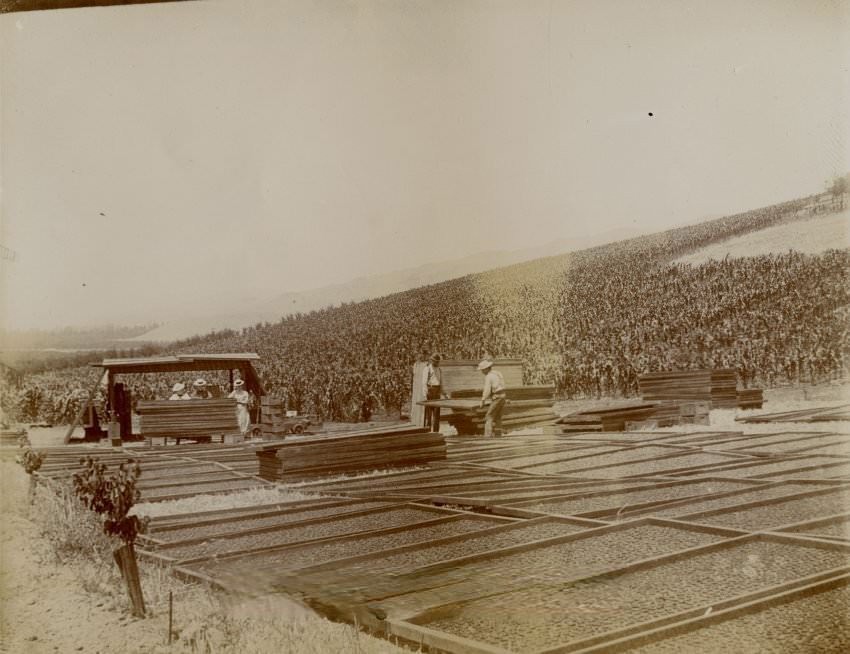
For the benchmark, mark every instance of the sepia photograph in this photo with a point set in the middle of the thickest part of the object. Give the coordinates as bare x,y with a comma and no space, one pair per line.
437,326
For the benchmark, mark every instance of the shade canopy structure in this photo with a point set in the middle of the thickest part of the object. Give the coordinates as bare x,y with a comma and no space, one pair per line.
241,361
119,406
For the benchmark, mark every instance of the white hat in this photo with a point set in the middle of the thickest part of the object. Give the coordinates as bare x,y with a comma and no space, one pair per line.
238,382
178,387
485,364
199,383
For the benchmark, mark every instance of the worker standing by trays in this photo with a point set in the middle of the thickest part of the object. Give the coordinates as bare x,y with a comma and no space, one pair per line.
494,393
243,401
433,378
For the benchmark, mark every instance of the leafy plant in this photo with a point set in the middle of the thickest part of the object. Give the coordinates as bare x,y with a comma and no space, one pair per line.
111,495
29,458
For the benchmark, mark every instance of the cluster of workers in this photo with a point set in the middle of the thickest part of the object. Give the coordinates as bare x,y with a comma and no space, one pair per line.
200,391
493,397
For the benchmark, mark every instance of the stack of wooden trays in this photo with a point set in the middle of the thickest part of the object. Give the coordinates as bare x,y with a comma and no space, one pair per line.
750,398
187,418
724,394
612,419
714,386
273,415
372,450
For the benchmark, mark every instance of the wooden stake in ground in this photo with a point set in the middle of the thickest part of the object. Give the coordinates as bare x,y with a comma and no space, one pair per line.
125,557
171,612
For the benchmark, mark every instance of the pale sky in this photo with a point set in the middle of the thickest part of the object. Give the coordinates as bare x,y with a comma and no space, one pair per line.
150,152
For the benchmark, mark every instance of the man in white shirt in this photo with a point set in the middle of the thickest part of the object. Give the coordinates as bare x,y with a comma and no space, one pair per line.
494,393
243,400
433,382
178,392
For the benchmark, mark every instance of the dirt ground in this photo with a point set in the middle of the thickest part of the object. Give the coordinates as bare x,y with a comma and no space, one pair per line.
47,606
44,607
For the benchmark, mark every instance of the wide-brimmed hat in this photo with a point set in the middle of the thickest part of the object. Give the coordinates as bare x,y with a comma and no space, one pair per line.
199,383
178,387
485,364
238,383
436,357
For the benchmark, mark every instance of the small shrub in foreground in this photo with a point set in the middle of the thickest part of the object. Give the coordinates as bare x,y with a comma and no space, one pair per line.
111,495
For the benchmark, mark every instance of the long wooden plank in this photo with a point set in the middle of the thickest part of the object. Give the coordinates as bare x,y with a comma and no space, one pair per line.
425,453
420,454
379,445
345,439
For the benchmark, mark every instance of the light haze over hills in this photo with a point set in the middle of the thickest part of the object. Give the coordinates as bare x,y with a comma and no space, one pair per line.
272,309
197,158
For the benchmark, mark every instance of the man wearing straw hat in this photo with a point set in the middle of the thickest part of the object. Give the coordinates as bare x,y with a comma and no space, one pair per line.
178,392
494,393
199,390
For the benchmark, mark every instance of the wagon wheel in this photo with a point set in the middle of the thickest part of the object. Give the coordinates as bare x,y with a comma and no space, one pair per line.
298,429
256,432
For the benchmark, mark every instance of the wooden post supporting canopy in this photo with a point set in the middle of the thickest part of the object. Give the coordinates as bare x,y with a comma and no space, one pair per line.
85,406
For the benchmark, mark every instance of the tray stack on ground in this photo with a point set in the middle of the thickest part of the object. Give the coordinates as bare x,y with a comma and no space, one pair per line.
634,416
526,406
11,436
273,415
373,450
197,419
724,393
750,398
614,419
715,386
668,413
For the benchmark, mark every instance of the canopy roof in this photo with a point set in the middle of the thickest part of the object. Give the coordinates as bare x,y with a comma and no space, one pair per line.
189,362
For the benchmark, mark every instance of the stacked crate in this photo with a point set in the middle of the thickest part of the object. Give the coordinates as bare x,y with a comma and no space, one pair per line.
695,413
714,386
724,393
198,419
609,419
633,417
750,398
273,416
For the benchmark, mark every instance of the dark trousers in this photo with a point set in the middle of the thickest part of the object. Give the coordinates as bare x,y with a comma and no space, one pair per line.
432,414
493,417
